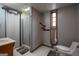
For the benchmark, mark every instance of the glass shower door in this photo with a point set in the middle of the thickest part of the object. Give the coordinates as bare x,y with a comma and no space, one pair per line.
25,23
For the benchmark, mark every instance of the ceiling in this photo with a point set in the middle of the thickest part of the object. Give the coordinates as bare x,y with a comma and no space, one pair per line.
42,7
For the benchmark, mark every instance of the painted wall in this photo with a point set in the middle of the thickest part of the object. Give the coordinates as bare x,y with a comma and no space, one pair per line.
2,22
67,25
36,28
46,34
77,11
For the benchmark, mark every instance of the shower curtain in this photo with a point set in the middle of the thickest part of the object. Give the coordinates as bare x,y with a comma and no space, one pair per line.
13,27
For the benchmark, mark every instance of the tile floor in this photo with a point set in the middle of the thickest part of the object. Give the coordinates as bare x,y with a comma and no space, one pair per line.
41,51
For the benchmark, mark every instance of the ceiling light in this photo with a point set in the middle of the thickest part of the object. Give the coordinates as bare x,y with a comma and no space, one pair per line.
27,9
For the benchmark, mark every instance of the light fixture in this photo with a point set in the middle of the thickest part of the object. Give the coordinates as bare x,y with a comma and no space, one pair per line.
26,9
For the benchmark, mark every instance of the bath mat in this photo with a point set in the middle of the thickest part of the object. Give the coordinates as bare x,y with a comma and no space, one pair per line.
22,50
52,53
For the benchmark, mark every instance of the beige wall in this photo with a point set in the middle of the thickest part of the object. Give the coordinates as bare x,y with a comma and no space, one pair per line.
77,11
67,25
36,28
46,34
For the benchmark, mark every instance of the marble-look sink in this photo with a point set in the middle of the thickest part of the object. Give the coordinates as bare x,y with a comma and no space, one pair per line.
4,41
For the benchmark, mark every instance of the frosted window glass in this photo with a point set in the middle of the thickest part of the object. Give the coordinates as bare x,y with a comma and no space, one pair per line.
54,19
54,15
54,24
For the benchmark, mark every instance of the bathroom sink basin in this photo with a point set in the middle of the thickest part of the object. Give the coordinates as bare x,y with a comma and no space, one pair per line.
4,41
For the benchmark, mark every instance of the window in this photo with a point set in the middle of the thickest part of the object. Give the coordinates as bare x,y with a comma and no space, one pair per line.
53,25
54,19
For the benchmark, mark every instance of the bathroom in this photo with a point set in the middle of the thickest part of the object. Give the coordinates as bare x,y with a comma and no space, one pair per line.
29,26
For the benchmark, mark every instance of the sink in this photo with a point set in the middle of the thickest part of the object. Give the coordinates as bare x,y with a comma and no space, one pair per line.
4,41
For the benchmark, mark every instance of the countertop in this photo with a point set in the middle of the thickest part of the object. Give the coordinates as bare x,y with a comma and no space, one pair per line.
4,41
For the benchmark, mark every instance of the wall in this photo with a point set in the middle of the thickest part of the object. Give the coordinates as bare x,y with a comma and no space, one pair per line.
2,22
46,34
77,11
36,28
67,25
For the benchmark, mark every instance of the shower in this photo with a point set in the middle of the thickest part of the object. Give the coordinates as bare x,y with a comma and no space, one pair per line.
25,32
